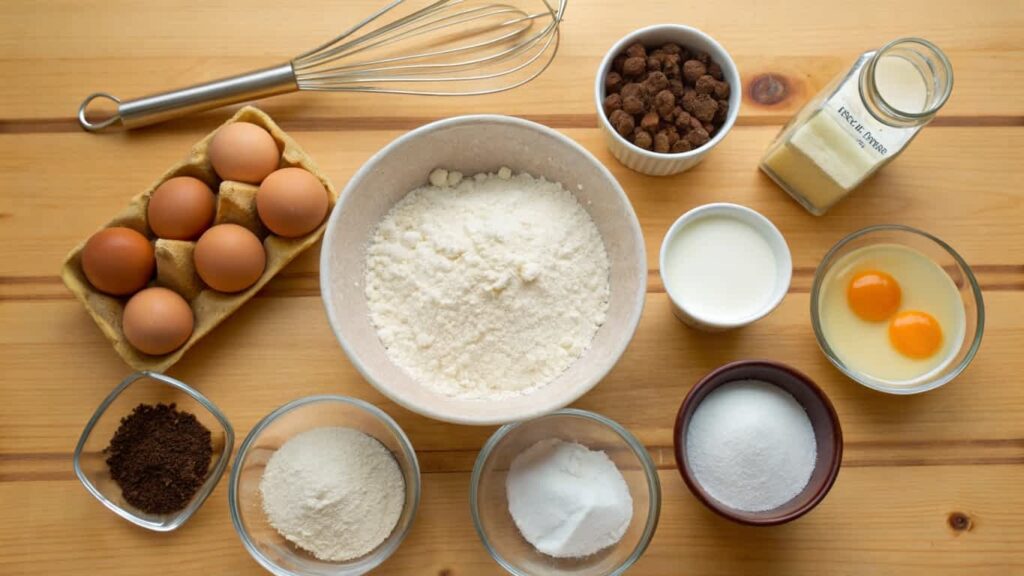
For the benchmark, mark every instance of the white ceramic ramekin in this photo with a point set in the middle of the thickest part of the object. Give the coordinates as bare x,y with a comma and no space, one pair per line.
783,263
646,161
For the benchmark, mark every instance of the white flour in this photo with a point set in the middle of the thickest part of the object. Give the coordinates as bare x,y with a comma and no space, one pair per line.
335,492
486,287
568,501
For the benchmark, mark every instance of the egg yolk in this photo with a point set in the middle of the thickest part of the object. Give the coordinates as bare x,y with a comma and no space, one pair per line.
915,334
873,295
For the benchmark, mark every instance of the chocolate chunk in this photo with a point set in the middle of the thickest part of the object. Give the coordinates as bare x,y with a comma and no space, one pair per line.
693,69
612,102
613,82
636,50
681,145
704,108
665,102
618,62
622,122
656,82
644,140
633,105
634,66
661,142
698,138
706,84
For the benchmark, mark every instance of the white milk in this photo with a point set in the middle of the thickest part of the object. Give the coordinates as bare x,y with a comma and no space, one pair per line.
900,84
720,269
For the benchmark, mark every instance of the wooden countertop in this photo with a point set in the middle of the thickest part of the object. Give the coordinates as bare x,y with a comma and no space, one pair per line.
932,484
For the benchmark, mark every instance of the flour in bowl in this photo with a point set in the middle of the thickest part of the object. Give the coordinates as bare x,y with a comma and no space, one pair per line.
486,287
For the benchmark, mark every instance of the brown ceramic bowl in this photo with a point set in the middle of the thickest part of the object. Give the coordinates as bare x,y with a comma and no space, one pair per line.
823,417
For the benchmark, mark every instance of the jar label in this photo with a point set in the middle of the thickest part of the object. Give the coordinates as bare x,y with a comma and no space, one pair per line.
847,109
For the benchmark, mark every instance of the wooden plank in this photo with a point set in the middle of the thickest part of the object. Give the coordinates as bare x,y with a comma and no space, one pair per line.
261,358
99,174
147,48
915,535
930,484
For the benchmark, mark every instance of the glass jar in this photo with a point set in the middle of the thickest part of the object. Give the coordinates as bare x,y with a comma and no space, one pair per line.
859,122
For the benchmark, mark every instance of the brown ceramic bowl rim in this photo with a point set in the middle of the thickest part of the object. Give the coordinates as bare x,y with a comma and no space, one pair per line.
689,406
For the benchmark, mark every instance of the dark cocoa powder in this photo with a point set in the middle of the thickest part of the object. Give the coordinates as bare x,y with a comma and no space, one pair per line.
159,457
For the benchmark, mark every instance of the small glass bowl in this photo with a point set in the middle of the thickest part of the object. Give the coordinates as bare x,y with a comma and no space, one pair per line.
264,543
943,255
489,504
146,387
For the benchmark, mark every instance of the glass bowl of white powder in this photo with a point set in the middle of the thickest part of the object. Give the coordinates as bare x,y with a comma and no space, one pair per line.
324,486
572,492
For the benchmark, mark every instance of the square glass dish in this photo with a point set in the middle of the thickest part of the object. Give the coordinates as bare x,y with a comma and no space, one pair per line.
90,458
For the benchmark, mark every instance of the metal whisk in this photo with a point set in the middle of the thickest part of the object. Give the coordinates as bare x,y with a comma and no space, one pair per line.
447,48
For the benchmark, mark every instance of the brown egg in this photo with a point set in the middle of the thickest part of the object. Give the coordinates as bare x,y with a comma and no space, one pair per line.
181,208
229,258
157,321
118,261
291,202
243,152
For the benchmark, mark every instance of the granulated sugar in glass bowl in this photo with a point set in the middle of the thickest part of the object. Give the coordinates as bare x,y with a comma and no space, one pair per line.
567,500
608,455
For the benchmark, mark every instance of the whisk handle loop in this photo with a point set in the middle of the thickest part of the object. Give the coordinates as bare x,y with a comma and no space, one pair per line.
172,104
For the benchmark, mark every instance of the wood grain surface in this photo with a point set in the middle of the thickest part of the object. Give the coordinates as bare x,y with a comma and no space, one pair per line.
932,484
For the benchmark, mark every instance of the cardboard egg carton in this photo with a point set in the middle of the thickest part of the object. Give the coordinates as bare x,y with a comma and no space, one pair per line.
236,203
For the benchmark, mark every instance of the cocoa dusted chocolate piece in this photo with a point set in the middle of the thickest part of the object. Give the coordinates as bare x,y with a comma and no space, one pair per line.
643,139
623,122
667,98
612,102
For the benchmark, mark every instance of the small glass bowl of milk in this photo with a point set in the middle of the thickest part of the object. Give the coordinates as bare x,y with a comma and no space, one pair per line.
724,266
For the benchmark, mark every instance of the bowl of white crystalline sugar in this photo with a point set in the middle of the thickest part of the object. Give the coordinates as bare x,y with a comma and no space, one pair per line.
483,269
758,443
568,501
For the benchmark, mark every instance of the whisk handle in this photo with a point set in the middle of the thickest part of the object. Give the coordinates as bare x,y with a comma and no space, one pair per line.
167,105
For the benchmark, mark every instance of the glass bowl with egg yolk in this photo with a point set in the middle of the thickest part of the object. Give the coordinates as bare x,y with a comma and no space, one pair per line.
897,310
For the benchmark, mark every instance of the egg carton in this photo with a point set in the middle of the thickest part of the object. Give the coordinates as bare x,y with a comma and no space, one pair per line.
236,203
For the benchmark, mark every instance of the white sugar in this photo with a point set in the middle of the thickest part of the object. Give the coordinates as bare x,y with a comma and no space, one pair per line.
751,446
568,501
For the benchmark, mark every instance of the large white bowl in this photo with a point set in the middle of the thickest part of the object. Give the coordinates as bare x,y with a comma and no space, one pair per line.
472,144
